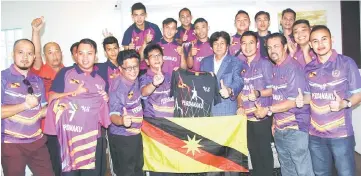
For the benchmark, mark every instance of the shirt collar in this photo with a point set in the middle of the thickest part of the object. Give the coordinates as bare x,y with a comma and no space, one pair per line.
111,65
15,72
47,66
125,81
268,33
163,41
215,61
288,59
200,42
137,30
80,71
255,59
181,28
151,73
331,59
237,35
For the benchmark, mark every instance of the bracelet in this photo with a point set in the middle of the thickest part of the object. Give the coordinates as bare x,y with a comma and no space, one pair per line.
259,93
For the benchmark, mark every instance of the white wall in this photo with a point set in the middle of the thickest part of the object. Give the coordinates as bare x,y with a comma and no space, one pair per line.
70,21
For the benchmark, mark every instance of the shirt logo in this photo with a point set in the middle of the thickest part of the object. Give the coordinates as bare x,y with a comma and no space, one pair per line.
14,85
130,94
336,73
72,110
74,81
312,74
85,108
99,87
206,89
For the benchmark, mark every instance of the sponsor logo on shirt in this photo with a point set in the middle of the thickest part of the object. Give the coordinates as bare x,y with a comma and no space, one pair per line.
206,89
312,74
170,58
323,96
166,100
85,108
72,128
192,104
277,97
336,73
74,81
137,109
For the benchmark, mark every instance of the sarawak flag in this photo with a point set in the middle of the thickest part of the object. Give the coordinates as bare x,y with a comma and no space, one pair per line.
194,145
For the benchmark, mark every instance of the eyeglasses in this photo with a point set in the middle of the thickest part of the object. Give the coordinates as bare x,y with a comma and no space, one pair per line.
156,56
30,88
129,69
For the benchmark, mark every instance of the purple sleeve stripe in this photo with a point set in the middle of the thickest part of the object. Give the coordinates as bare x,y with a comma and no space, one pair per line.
269,86
306,92
355,91
114,113
291,98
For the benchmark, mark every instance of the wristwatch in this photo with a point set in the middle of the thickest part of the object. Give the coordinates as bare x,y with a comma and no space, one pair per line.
348,103
269,112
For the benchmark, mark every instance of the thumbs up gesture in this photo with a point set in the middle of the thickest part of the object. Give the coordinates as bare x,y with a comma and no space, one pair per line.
336,105
149,37
37,23
299,99
179,50
158,78
185,36
225,91
253,95
261,112
131,44
194,50
127,120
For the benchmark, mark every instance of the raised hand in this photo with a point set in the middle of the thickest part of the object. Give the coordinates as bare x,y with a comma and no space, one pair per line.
336,105
131,44
158,78
225,91
127,120
31,101
37,24
299,99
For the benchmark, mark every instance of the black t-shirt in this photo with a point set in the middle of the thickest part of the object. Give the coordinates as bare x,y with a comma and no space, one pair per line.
194,93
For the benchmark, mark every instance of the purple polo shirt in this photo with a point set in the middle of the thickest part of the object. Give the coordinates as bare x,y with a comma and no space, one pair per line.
339,73
108,71
171,57
69,78
300,57
204,50
257,76
23,127
76,121
235,47
138,36
191,34
126,94
287,78
158,104
262,45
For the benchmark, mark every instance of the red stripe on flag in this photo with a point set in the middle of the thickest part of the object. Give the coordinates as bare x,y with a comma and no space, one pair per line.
202,156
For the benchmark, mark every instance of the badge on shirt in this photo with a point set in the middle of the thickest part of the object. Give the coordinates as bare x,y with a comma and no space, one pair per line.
312,74
74,81
336,73
243,71
14,85
130,94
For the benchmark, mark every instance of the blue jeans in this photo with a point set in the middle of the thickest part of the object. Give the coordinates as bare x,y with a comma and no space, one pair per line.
342,150
293,152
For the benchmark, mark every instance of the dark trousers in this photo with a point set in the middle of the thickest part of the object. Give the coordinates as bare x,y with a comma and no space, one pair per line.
127,154
81,172
15,157
259,138
54,152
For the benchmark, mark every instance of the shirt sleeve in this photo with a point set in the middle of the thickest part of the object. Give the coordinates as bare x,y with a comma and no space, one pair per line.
116,100
177,35
104,118
237,80
295,80
353,77
43,95
3,83
267,69
37,72
158,33
144,80
127,37
58,84
49,124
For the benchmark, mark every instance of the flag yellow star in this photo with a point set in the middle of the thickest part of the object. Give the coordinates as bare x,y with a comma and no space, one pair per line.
192,145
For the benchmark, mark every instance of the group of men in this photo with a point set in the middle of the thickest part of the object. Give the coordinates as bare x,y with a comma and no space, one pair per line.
293,87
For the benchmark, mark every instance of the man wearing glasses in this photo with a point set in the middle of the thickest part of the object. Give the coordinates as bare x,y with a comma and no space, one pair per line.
22,108
126,114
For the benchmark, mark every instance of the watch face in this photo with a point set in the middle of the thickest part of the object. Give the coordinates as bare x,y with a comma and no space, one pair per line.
349,104
269,113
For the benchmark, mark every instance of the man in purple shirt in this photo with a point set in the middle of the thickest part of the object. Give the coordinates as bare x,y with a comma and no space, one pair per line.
141,32
334,87
22,108
200,48
155,85
80,78
126,114
257,75
287,20
173,53
291,123
185,32
262,19
301,31
241,22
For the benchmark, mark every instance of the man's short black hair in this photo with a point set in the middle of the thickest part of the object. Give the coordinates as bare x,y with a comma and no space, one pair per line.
301,21
277,35
20,40
289,10
110,40
74,45
249,33
239,12
169,20
89,42
138,6
184,9
127,54
200,20
151,47
320,27
262,13
216,35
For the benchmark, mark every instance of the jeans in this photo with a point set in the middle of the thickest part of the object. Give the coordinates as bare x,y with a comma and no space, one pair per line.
293,152
324,150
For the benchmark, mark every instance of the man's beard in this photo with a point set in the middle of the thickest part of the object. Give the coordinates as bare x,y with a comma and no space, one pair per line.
22,68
